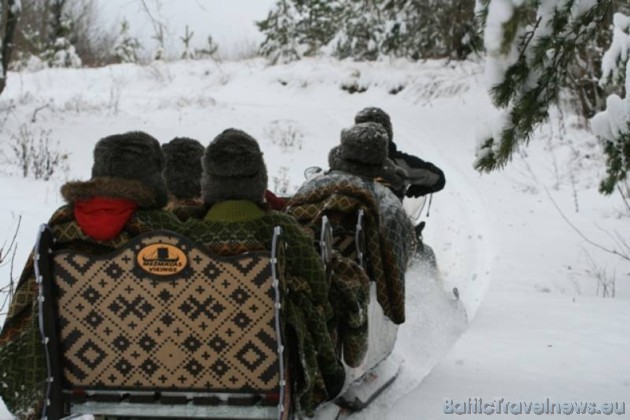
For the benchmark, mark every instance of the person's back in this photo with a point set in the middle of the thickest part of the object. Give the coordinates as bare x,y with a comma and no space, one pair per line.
233,184
358,166
123,199
423,177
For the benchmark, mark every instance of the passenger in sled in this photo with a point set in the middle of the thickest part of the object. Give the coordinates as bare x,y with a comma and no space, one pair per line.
369,228
123,199
182,173
423,178
361,179
234,185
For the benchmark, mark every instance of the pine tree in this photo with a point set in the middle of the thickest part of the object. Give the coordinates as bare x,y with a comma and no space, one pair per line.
530,50
127,46
189,53
60,52
317,24
613,125
281,33
362,32
430,28
210,51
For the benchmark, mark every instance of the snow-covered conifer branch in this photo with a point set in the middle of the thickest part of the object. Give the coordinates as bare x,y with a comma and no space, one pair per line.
531,45
612,126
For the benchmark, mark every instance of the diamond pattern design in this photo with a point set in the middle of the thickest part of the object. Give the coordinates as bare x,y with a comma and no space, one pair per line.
208,328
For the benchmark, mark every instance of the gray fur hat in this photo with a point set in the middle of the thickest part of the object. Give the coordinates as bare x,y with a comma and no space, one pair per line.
182,170
377,115
364,143
233,169
363,152
133,156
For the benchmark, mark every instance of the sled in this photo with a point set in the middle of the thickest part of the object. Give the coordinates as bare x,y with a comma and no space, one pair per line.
132,333
379,368
184,334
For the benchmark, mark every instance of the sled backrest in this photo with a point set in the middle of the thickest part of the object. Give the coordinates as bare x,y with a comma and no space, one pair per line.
161,321
344,232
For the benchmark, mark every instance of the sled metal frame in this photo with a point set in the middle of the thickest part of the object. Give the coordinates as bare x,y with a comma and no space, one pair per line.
379,368
194,404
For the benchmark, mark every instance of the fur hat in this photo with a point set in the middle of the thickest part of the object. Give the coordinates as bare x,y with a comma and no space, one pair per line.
182,170
377,115
364,143
363,152
233,169
133,156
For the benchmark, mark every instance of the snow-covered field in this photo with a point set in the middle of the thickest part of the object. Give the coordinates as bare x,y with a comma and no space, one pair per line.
540,327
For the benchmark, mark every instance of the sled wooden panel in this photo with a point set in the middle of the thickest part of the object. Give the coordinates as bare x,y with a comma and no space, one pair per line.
195,323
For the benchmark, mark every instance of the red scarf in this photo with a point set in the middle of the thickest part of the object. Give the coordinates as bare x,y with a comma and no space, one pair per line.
103,218
275,202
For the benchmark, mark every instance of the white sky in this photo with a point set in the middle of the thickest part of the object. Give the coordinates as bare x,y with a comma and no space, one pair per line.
230,22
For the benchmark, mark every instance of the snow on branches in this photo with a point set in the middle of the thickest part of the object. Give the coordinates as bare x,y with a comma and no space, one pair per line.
612,126
530,46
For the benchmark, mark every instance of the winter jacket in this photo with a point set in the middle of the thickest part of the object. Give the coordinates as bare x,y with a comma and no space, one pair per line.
237,226
389,232
423,177
102,214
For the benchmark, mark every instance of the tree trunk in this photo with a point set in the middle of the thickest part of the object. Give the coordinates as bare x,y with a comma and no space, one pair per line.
9,15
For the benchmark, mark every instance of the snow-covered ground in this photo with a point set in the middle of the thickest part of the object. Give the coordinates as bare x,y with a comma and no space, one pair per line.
540,327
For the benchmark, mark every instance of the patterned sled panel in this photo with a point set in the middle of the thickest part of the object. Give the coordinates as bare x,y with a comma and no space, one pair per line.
196,322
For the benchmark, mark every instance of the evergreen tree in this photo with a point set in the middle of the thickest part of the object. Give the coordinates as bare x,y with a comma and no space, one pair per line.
189,53
362,32
60,52
531,46
281,33
210,51
430,28
613,125
9,15
127,46
317,23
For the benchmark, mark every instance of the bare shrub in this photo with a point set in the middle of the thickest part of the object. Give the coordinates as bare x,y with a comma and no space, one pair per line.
281,183
7,256
285,134
36,156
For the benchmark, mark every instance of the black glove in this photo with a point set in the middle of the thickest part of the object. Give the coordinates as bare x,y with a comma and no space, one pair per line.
418,191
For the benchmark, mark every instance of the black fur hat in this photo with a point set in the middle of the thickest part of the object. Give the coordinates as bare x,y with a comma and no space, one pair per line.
133,156
233,169
182,170
377,115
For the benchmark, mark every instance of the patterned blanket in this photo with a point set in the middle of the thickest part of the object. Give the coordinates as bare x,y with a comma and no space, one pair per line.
388,232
